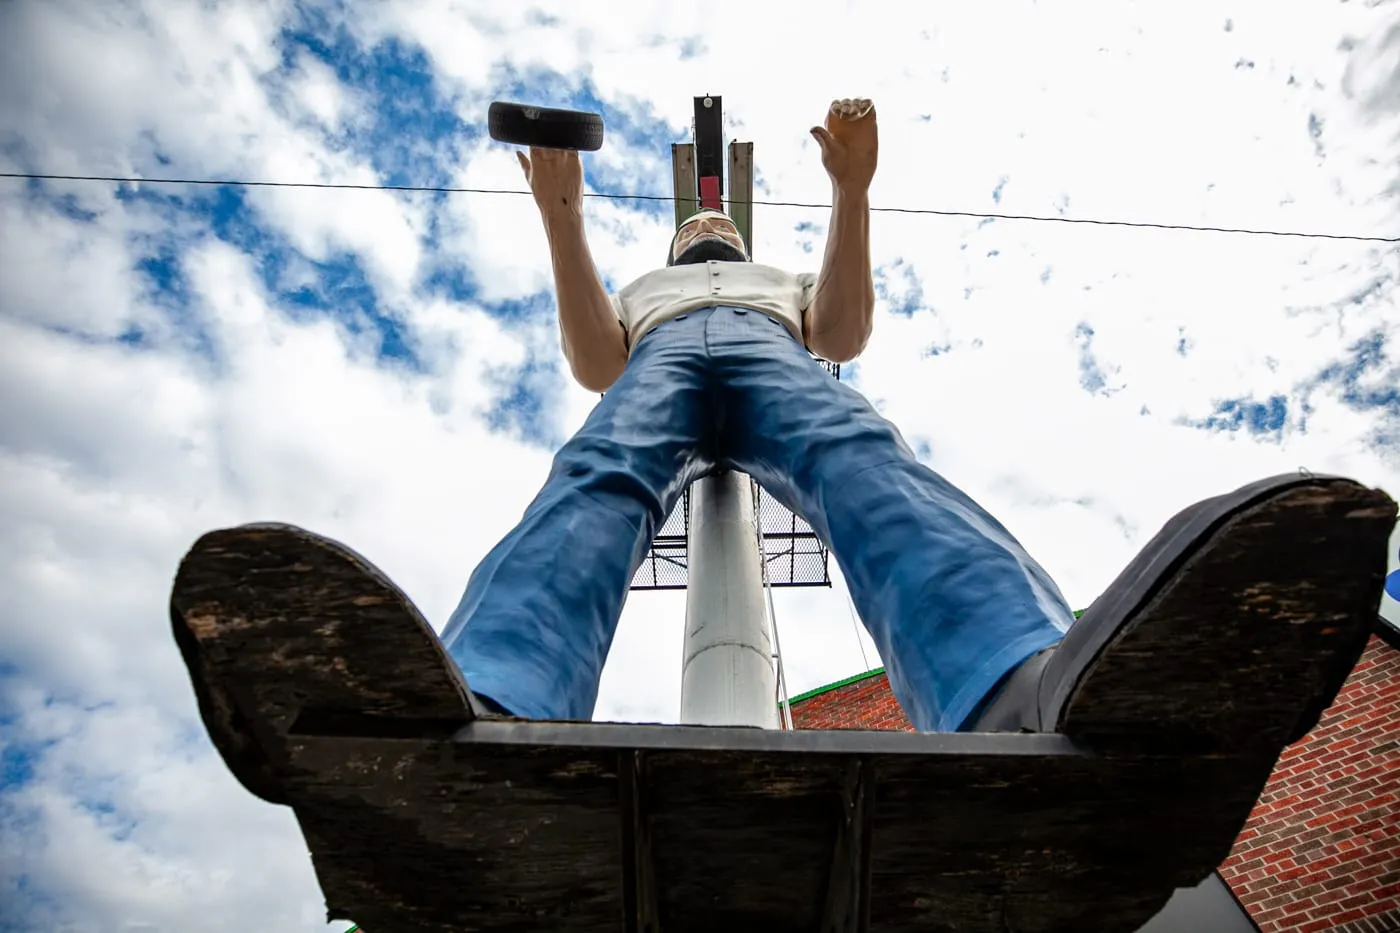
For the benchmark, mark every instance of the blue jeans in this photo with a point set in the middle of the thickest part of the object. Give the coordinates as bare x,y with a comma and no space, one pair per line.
950,598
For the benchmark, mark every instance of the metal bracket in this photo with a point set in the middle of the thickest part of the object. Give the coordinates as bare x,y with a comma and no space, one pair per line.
741,190
683,180
709,138
638,875
848,889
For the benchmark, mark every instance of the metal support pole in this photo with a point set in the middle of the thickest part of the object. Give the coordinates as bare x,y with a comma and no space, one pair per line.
727,676
727,672
783,700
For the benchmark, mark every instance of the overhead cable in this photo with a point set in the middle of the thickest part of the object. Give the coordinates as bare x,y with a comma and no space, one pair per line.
444,189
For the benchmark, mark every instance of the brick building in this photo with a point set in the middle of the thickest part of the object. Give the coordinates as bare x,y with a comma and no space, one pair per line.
1321,851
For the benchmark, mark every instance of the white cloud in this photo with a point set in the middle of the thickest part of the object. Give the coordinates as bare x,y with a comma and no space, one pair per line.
320,96
498,238
195,85
102,283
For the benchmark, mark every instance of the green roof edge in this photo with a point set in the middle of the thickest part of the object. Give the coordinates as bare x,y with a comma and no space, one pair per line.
854,678
818,691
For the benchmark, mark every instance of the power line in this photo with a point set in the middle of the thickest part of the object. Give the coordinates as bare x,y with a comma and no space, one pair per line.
855,627
436,189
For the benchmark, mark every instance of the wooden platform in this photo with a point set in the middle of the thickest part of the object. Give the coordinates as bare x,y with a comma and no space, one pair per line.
325,689
510,825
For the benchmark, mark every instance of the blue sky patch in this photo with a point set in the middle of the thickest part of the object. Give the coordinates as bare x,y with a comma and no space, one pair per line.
523,409
1093,378
337,289
807,231
1261,419
1367,358
340,291
17,755
1366,380
453,282
16,765
167,288
411,127
538,307
65,204
899,287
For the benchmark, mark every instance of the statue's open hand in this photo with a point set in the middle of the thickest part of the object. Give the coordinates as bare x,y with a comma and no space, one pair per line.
849,143
555,177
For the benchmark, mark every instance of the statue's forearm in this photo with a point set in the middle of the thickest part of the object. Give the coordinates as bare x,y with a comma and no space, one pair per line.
842,312
590,333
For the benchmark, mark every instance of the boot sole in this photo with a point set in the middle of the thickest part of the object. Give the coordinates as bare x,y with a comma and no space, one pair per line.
1246,615
278,626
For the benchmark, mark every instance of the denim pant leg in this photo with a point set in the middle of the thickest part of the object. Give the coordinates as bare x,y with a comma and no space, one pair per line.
950,598
539,613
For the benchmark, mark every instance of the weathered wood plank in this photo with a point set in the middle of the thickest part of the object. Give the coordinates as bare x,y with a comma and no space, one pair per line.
743,839
483,834
460,837
1029,843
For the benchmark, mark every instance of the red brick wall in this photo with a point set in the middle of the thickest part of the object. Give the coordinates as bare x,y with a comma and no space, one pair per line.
1321,852
865,704
1322,849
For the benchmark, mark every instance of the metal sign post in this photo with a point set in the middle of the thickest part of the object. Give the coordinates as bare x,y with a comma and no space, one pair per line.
727,671
728,543
727,674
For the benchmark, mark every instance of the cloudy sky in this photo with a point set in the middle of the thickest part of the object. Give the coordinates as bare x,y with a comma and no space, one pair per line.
384,367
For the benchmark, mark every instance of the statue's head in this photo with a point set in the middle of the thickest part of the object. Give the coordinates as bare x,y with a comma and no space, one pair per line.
706,235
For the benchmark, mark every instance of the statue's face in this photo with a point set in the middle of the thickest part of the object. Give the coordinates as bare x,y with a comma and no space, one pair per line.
709,236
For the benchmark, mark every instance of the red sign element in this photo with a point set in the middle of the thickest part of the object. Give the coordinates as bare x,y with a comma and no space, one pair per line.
709,193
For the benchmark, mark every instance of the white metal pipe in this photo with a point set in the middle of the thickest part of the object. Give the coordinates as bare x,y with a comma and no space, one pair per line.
783,700
778,655
727,676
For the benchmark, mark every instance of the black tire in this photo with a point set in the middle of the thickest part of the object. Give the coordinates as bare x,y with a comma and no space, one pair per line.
545,128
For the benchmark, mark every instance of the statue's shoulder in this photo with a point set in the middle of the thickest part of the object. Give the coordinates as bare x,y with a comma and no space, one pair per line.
655,275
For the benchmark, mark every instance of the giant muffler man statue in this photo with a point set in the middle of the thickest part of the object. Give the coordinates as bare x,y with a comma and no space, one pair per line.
1236,624
323,688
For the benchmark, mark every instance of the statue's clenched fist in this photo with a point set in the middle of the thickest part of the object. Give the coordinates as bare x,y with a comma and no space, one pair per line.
849,142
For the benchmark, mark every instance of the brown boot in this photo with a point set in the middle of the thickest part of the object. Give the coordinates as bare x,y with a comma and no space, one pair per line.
1236,626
